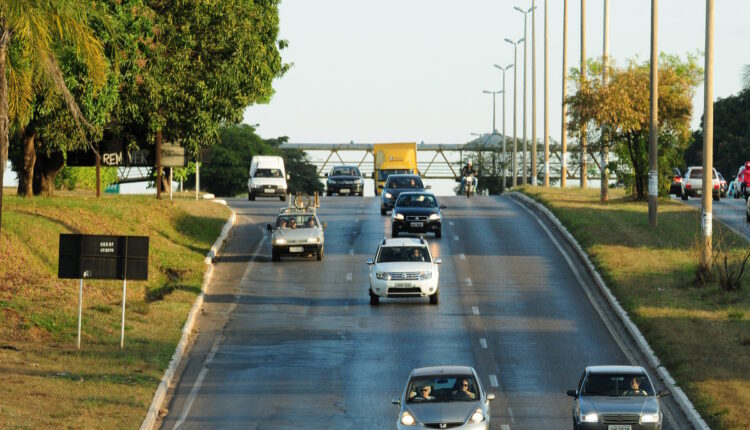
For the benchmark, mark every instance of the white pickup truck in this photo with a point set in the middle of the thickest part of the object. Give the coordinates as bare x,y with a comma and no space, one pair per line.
692,183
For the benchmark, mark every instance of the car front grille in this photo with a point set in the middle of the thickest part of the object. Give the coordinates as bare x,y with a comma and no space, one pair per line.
404,276
443,425
620,418
416,218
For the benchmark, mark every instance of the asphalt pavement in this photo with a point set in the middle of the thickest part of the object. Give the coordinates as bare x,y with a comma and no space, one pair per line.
295,344
728,210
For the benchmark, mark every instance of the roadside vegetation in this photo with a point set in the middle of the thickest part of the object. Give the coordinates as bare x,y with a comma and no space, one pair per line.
46,381
701,332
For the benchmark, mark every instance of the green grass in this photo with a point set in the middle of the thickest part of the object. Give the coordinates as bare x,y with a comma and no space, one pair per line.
701,333
46,381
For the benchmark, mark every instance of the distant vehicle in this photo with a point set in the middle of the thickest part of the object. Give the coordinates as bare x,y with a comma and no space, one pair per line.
297,232
444,397
391,159
676,186
345,180
404,268
692,183
616,398
267,177
397,184
722,186
417,212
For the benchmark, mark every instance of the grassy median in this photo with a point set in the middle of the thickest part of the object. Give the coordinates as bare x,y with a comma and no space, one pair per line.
701,333
45,382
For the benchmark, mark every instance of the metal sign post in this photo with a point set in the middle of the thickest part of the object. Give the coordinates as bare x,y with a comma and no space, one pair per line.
124,292
80,311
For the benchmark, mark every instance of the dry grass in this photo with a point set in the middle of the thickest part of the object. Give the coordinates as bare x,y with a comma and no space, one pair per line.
702,334
46,382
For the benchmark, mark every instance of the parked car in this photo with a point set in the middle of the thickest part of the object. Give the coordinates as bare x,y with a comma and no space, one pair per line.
345,180
616,397
676,186
395,185
404,268
267,177
444,397
723,187
417,213
692,183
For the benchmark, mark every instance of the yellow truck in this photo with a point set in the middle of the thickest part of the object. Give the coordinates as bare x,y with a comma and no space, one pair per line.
393,158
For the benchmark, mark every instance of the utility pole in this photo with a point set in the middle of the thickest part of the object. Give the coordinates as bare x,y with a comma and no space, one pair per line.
708,138
524,172
515,105
584,179
605,135
533,94
505,158
546,98
564,125
653,136
493,108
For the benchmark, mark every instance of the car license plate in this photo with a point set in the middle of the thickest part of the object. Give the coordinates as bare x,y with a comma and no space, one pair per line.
268,190
296,249
404,285
619,427
344,190
417,224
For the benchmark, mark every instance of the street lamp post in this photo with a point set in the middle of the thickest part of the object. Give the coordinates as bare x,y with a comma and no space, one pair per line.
563,125
584,178
515,104
493,107
533,94
546,98
525,52
505,158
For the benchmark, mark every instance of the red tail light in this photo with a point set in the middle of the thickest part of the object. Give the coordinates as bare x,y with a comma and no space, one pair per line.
688,186
716,187
677,179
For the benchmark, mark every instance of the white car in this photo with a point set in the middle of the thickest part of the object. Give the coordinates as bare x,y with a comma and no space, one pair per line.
297,233
404,268
267,177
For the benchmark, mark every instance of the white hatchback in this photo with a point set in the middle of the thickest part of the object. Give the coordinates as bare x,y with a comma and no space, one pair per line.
404,268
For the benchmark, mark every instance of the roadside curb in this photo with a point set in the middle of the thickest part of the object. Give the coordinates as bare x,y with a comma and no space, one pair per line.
161,392
681,398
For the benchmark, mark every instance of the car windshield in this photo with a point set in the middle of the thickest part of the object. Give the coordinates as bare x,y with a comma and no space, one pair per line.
442,388
416,201
407,182
698,173
384,174
617,385
393,254
345,171
268,173
296,221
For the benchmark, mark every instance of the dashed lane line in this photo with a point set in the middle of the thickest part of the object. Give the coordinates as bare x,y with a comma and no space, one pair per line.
351,252
475,310
512,418
349,276
493,381
483,342
455,237
462,256
468,282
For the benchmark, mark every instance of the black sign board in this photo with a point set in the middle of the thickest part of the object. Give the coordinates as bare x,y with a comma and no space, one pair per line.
103,257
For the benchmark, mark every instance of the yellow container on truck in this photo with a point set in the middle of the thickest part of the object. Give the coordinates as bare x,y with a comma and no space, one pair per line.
393,158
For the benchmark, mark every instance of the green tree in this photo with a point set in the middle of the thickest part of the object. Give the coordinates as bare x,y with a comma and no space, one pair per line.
303,176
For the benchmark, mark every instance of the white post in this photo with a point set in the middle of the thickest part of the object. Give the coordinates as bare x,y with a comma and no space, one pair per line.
80,307
170,182
197,178
122,328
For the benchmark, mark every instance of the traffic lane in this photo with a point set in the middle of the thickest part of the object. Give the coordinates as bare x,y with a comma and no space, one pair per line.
303,346
540,323
729,211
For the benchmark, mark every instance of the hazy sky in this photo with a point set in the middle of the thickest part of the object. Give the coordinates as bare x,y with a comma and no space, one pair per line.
414,70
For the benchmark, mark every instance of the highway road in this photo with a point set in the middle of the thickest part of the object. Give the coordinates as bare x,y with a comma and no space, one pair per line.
296,344
730,211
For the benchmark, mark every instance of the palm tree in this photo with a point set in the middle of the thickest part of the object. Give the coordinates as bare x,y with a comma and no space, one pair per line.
29,32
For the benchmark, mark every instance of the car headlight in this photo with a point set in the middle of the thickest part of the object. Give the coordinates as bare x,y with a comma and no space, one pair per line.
434,217
590,418
407,419
383,276
425,275
388,195
279,241
313,239
649,418
477,417
398,216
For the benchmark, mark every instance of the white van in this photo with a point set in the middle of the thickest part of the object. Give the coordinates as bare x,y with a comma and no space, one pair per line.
267,177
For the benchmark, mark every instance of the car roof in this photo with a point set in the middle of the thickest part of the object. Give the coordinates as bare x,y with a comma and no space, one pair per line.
345,166
406,241
438,370
427,193
615,369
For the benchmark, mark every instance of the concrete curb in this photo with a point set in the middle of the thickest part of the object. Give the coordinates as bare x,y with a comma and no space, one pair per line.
685,404
161,391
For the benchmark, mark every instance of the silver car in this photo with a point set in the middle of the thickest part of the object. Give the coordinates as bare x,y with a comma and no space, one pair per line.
444,397
297,232
616,398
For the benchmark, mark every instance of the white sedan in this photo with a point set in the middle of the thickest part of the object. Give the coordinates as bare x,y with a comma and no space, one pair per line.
404,268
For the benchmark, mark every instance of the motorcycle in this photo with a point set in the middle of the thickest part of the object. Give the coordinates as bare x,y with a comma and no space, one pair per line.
470,185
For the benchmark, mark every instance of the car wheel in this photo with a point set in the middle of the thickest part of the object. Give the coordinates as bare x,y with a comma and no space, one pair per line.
321,253
374,299
329,193
361,193
275,255
282,198
382,210
684,195
394,231
439,233
251,197
434,297
716,197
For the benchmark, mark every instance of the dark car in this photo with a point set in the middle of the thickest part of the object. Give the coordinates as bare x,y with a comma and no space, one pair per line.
345,180
417,212
676,186
722,186
397,184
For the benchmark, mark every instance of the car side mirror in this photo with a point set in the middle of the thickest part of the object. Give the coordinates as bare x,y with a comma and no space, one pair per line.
572,393
370,261
490,396
427,187
438,261
443,206
288,177
664,393
396,401
269,227
325,225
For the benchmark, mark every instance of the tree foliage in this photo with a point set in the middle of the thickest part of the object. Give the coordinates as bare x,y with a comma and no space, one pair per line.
622,105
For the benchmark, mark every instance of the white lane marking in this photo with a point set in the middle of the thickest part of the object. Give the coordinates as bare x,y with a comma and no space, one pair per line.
504,427
356,219
351,252
512,419
475,310
349,276
468,282
483,342
493,381
462,256
450,222
455,237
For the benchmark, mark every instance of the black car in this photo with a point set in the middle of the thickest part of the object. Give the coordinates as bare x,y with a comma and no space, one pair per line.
397,184
417,212
676,186
345,180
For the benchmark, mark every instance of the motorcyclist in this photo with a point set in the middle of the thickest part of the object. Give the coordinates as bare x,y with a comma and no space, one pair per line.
467,170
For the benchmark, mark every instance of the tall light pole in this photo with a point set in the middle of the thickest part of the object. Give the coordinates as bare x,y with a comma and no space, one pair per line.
584,179
505,157
525,52
493,107
564,125
708,136
605,138
533,94
515,122
653,135
546,99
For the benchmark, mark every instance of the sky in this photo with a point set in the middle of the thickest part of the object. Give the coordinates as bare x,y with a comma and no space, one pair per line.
414,70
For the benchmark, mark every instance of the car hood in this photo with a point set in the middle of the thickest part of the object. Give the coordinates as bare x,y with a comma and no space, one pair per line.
415,211
619,405
403,267
442,412
296,234
397,191
344,178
